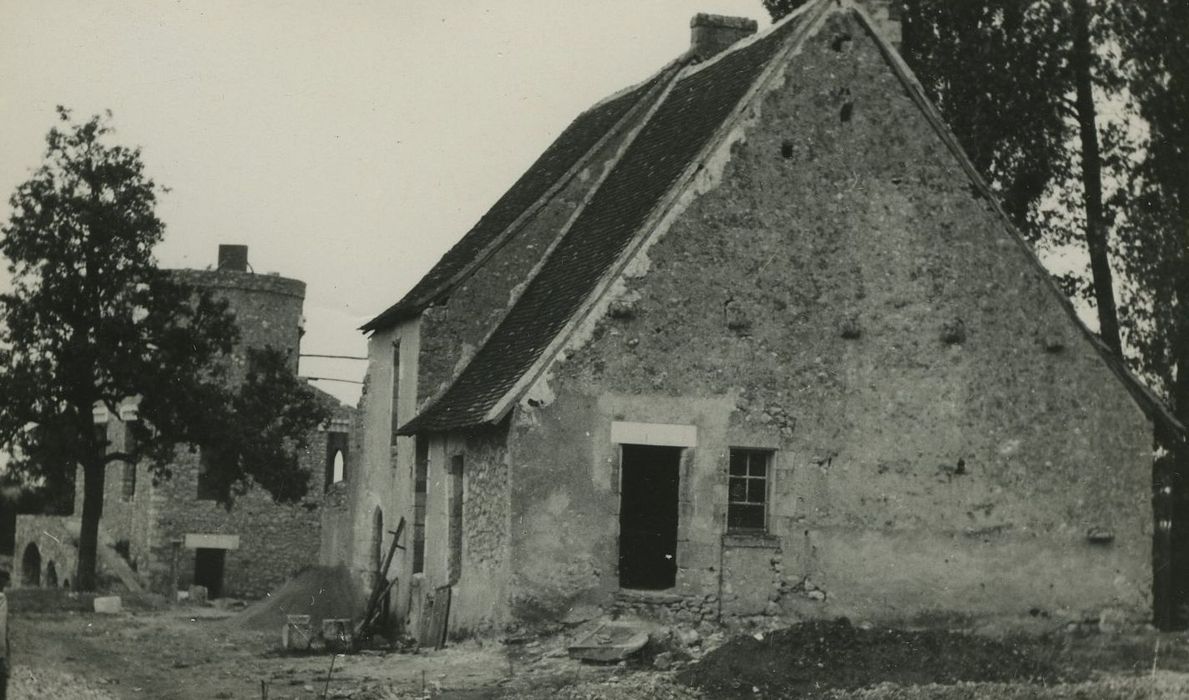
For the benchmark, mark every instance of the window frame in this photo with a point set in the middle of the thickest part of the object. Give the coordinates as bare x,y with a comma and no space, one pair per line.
768,455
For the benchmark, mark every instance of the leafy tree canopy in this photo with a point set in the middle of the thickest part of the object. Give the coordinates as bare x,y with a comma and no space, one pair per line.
91,321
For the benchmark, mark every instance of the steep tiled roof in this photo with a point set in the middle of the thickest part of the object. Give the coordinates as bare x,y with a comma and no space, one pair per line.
567,150
696,107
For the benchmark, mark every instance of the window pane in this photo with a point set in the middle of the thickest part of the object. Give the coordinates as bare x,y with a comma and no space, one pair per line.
755,490
758,464
740,517
738,463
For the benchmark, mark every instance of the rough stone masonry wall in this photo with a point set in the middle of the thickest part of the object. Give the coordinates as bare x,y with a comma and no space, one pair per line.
267,310
275,540
480,598
453,330
945,439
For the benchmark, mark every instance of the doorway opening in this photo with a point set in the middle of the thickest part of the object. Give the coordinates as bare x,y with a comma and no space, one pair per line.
51,575
31,566
208,570
648,516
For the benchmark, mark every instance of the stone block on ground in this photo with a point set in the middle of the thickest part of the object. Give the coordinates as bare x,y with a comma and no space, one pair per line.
297,634
610,642
198,595
338,634
109,605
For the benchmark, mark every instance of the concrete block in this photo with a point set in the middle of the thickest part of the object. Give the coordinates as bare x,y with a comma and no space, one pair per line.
109,605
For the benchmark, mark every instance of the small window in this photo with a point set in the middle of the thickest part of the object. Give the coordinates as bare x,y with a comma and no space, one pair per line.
337,445
747,490
128,489
456,503
100,436
208,489
395,392
420,495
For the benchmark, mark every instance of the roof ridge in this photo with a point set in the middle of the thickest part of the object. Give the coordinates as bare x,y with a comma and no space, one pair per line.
652,99
1145,398
498,407
412,302
673,195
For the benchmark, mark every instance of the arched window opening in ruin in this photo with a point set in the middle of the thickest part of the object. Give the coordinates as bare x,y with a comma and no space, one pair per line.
337,467
337,444
377,540
51,575
31,566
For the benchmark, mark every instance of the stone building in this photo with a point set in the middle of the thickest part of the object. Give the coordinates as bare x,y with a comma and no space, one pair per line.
752,340
172,533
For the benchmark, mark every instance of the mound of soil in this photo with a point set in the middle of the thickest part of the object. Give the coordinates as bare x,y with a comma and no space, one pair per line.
813,657
321,592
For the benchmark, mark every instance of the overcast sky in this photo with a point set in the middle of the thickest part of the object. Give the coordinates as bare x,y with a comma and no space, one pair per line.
349,144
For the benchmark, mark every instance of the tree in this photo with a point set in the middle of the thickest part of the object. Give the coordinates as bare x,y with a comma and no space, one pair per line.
91,321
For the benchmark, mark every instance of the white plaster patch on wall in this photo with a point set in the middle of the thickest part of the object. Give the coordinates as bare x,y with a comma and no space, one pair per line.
201,541
660,434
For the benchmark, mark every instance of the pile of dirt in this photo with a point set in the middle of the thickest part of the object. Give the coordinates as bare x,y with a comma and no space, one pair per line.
321,592
813,657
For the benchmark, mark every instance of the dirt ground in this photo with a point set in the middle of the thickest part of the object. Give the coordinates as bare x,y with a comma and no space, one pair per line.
155,651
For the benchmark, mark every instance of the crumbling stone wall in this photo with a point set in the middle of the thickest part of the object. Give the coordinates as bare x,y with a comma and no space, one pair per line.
275,540
945,438
267,310
55,543
379,472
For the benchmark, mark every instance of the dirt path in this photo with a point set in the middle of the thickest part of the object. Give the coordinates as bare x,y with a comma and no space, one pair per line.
196,653
175,655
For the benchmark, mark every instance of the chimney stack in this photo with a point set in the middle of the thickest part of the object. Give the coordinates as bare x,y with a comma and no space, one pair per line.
233,257
711,34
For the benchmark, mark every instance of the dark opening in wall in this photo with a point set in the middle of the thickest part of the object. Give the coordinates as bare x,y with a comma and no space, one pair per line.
128,486
420,493
786,149
649,479
209,486
456,503
208,570
335,468
31,566
395,392
848,110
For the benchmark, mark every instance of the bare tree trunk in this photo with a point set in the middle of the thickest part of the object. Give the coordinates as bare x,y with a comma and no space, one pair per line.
88,538
1096,232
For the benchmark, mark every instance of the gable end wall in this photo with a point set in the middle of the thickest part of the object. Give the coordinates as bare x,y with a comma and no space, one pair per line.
945,437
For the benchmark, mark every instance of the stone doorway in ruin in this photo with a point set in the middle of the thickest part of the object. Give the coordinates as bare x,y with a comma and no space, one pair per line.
31,566
208,570
650,477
